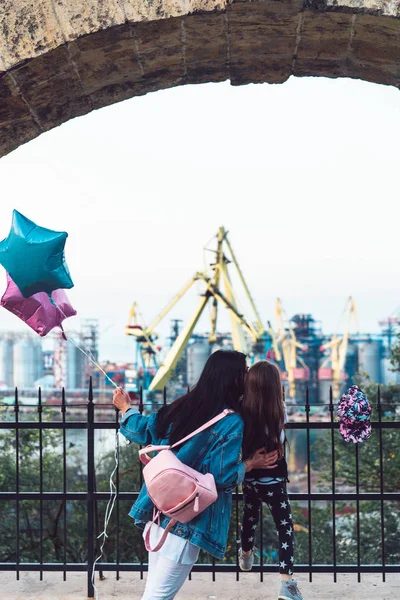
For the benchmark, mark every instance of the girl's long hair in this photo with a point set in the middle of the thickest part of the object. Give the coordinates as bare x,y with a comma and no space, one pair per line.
262,409
220,385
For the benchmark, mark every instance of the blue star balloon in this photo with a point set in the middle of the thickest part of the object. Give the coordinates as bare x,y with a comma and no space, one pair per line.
34,257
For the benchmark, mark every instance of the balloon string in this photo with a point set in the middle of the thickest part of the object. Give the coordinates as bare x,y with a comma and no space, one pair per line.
113,489
107,515
96,364
92,361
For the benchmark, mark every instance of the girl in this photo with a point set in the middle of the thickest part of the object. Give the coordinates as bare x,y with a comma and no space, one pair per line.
265,416
215,450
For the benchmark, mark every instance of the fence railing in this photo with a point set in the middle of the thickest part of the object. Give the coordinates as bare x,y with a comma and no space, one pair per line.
345,498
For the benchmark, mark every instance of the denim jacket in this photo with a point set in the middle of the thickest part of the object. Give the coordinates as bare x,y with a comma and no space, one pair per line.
215,450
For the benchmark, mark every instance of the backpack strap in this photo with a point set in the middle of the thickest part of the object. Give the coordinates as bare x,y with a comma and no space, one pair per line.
163,537
145,459
224,413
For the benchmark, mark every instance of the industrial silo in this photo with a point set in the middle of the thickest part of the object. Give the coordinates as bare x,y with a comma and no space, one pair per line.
69,365
76,367
388,375
351,364
370,359
197,355
324,385
7,362
28,365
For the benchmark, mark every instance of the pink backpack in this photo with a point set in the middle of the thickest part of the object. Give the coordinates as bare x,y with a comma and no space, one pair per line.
177,491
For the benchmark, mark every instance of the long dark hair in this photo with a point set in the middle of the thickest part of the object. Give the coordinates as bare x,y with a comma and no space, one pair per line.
262,409
221,384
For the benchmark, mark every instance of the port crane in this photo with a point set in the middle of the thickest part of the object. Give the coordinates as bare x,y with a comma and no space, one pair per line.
390,326
146,349
338,348
285,338
219,290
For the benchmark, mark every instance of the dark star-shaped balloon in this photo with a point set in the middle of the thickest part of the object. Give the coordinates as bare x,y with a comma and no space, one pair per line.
34,257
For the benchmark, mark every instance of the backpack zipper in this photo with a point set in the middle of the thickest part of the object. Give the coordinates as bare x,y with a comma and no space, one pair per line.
196,505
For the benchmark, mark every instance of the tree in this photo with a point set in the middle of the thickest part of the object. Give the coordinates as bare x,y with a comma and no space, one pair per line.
367,455
395,357
53,510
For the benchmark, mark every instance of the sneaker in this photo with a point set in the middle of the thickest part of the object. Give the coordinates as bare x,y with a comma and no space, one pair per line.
290,591
246,560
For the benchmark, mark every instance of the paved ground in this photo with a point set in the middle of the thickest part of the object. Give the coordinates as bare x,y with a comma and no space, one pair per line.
200,588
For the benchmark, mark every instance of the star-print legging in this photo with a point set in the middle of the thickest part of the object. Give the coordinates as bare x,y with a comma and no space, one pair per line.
276,498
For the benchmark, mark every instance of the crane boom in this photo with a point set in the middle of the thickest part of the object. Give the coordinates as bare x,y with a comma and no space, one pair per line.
171,305
239,341
216,292
286,337
260,326
339,346
171,360
217,275
240,324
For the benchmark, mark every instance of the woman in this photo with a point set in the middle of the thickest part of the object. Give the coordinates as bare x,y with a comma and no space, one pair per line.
215,450
265,416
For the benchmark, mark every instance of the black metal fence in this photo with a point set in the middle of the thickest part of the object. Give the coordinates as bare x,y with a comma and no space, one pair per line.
331,510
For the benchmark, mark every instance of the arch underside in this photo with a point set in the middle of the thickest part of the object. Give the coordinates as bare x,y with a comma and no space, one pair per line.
249,42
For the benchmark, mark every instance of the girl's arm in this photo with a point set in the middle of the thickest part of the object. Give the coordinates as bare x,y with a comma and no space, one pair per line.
224,461
134,426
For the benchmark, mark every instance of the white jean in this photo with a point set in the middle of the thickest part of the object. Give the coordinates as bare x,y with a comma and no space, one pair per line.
165,577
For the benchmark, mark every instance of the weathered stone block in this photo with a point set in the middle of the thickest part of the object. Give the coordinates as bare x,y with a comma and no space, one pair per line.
28,28
63,58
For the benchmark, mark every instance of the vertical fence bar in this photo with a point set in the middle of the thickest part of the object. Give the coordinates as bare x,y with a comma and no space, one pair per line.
118,556
141,483
17,508
237,532
261,542
40,479
64,434
381,484
333,478
164,396
358,514
307,407
97,527
90,496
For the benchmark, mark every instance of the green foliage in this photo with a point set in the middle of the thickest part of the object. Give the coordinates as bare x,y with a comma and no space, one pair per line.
130,544
53,511
367,456
395,358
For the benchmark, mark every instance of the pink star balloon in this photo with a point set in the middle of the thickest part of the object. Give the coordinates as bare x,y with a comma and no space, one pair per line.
40,312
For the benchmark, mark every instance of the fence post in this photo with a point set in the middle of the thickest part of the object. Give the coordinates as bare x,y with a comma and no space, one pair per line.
381,481
17,487
90,496
309,487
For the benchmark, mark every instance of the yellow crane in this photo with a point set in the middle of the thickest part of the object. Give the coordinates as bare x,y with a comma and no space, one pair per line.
145,337
285,338
338,348
211,279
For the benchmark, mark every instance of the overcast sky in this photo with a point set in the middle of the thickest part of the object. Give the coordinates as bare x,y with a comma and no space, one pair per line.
304,175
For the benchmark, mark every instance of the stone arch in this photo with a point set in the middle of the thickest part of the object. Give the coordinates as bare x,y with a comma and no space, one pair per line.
60,59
